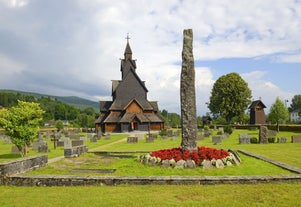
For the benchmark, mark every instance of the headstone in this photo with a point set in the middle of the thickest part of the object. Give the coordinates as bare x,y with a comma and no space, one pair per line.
296,138
36,145
281,140
83,138
244,139
220,131
75,143
43,148
169,132
15,150
216,140
187,94
263,135
132,140
108,136
94,138
67,142
164,137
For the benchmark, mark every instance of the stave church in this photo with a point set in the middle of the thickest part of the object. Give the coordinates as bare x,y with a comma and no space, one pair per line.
129,109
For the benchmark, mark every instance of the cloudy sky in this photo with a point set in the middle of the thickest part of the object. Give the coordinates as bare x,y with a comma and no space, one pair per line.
73,47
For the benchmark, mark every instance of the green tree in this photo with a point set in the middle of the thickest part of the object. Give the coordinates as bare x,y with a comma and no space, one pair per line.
278,113
296,104
59,125
230,97
21,123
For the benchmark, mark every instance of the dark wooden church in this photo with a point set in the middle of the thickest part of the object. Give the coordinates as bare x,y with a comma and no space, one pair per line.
257,115
130,110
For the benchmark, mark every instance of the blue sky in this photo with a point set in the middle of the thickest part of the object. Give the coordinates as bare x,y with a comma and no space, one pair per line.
73,47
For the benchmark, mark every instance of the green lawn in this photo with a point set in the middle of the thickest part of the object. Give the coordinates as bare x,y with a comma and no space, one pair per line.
276,194
260,195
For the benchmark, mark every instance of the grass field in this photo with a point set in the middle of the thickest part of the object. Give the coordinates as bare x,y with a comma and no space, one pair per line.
282,194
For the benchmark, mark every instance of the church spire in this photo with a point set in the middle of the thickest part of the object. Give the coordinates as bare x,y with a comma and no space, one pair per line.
128,51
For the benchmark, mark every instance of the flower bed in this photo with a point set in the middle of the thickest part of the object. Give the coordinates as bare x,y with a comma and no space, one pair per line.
203,156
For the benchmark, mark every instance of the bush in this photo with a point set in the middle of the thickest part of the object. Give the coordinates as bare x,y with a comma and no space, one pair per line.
228,129
163,132
253,140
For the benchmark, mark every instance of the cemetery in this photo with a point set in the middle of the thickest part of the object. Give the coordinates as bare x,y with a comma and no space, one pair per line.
141,154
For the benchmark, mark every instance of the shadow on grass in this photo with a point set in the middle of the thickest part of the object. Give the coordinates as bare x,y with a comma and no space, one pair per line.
9,156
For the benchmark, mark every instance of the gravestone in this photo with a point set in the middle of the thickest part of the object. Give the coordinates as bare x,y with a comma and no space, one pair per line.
263,135
220,131
169,132
15,150
187,94
39,143
75,143
282,140
216,140
132,140
94,138
43,148
108,136
296,138
244,139
164,137
66,142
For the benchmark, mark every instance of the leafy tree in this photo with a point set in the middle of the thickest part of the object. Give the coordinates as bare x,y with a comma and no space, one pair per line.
296,104
21,123
59,125
278,112
230,97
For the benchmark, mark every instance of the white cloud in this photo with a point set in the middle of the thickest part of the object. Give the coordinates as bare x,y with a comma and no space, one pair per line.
263,89
73,47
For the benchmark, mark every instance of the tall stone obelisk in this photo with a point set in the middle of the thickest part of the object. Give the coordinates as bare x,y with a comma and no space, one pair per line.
187,93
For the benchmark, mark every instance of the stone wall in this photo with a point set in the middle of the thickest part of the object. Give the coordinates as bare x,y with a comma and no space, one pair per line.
55,180
21,165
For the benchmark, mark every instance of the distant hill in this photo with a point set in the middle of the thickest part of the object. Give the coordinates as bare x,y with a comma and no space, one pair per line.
75,101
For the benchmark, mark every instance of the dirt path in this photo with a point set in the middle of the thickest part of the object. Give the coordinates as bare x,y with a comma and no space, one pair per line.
107,145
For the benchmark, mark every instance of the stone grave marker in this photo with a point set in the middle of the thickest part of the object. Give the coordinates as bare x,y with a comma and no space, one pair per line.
108,136
296,138
76,143
43,148
94,138
281,140
169,132
244,139
263,135
132,140
216,140
220,131
37,144
15,150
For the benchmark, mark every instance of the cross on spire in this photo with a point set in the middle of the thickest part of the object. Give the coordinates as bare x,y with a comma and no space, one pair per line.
127,37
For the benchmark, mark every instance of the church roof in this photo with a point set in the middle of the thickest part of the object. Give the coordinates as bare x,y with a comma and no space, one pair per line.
128,49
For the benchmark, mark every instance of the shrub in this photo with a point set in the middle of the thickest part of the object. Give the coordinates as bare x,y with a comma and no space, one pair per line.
228,129
253,140
163,132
